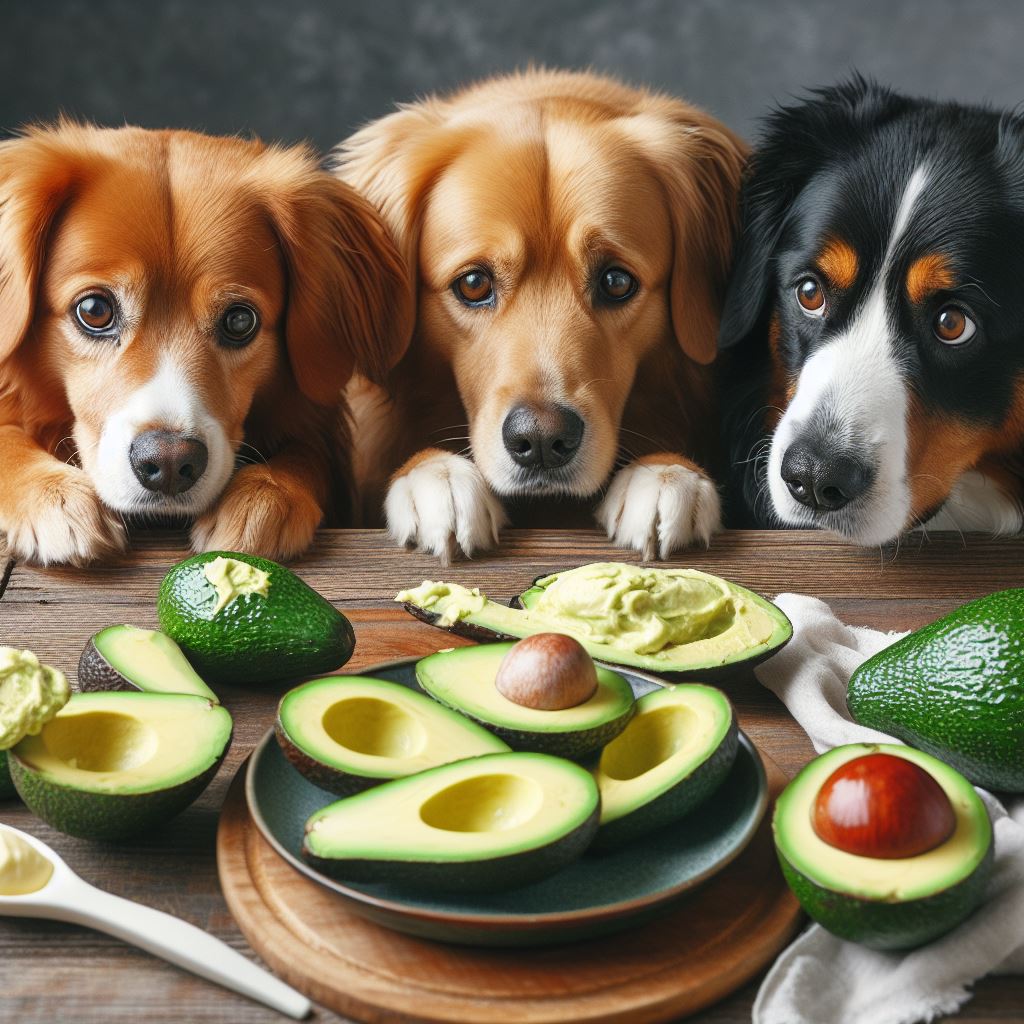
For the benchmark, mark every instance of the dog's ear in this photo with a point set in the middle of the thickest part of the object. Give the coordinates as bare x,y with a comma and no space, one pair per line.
348,307
795,143
37,177
700,164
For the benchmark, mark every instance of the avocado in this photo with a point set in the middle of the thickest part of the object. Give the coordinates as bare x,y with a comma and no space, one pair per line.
243,619
955,689
677,749
680,623
463,679
111,765
484,824
347,733
884,902
128,658
7,790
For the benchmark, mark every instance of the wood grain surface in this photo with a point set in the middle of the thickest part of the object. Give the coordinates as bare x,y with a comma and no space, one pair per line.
53,972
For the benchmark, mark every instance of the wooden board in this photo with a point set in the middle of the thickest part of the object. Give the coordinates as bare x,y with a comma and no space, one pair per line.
700,951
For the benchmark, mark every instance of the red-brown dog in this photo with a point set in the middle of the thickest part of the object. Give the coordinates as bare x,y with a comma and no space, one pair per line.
176,302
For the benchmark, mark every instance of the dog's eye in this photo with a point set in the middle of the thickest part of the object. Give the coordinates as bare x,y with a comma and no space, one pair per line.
238,325
811,296
617,284
95,313
474,288
952,326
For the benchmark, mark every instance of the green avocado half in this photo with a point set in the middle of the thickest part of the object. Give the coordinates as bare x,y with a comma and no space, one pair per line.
679,623
348,733
111,765
7,790
674,753
484,824
463,679
884,903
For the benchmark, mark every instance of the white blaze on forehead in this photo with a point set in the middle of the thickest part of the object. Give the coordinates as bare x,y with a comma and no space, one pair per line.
167,401
854,389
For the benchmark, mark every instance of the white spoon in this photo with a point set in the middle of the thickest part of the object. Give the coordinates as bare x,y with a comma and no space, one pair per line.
66,897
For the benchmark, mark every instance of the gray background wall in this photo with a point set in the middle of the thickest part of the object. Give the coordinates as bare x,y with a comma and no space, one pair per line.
315,69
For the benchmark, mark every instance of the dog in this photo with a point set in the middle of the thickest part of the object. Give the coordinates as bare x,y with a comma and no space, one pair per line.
874,314
178,303
569,238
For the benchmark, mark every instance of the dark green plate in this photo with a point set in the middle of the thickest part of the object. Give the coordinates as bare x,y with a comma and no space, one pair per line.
599,893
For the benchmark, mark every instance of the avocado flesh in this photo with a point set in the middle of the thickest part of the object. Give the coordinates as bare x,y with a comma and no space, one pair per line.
110,765
289,633
128,658
720,625
463,679
955,689
675,752
347,733
884,903
486,823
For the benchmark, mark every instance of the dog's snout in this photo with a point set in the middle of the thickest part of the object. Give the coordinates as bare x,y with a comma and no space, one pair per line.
166,462
542,437
822,479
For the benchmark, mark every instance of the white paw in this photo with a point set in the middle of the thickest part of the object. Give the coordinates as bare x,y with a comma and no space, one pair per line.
976,503
441,504
660,508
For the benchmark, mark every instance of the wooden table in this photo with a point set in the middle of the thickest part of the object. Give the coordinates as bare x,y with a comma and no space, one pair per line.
53,972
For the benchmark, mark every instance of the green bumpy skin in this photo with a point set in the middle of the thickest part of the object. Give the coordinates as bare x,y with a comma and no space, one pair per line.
7,790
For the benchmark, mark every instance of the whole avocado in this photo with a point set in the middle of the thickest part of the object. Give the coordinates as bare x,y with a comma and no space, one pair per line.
955,689
287,632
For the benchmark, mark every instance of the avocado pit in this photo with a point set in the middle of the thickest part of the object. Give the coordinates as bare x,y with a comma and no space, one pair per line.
883,806
547,672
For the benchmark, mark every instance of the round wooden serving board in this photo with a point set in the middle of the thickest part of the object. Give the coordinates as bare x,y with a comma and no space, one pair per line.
697,953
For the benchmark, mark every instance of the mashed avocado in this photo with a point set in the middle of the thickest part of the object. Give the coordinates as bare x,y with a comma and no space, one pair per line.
232,578
23,869
30,695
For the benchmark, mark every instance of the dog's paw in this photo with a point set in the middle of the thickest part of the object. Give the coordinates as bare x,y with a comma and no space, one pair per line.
441,504
660,507
62,521
259,514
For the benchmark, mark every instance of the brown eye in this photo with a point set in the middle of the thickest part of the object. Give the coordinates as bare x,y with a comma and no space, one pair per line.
952,326
95,313
474,288
238,325
618,284
811,296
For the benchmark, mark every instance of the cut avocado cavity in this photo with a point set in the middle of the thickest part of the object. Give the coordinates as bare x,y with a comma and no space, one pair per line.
110,765
486,823
463,679
675,621
347,733
676,751
128,658
884,902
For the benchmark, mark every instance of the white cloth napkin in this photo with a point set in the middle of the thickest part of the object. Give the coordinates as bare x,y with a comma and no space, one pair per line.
821,979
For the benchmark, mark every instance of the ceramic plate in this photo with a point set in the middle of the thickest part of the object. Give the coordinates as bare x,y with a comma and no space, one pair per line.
597,894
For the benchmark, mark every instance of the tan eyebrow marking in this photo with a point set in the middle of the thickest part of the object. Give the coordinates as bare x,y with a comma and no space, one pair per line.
838,262
928,274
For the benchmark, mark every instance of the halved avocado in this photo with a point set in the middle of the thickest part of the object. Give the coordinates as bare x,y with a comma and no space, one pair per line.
680,623
487,823
347,733
463,679
110,765
129,658
7,790
676,751
884,903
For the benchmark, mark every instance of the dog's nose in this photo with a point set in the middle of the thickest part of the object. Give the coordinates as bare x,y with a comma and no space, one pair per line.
542,437
166,462
823,480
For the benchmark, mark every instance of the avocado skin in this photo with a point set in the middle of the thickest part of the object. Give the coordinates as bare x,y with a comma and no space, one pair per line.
96,673
678,801
106,816
293,632
932,690
493,875
333,780
890,926
7,790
